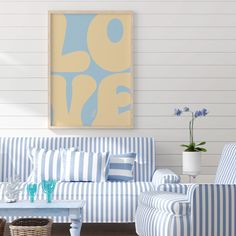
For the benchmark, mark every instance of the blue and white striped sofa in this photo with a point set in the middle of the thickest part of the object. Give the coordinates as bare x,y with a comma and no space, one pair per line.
194,209
106,201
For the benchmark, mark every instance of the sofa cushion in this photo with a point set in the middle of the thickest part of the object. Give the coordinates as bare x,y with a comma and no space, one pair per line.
113,202
121,167
85,166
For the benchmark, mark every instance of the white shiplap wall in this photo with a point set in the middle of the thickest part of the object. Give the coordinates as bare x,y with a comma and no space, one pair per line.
185,53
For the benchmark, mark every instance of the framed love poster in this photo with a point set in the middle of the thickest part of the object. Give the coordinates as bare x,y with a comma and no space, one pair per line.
90,70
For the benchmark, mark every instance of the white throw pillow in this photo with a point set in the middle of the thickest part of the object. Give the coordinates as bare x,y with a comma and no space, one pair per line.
47,164
85,166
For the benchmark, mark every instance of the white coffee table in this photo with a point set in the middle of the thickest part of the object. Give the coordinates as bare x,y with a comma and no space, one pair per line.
71,209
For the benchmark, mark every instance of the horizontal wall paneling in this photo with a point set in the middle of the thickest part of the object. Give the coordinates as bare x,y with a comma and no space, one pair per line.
184,53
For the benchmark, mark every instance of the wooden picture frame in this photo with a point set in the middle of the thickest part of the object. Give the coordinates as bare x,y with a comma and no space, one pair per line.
90,69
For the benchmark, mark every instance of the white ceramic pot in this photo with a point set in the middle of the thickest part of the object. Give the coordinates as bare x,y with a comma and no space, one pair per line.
191,163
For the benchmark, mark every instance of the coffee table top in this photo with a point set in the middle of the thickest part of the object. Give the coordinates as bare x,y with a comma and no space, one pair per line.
56,204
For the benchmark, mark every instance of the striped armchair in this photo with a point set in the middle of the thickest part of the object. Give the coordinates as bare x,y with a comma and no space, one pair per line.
192,210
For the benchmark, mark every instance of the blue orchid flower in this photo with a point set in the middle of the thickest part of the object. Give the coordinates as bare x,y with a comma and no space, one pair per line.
198,113
192,146
204,111
178,112
185,109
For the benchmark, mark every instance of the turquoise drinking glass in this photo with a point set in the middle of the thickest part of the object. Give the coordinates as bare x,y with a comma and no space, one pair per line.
48,187
31,190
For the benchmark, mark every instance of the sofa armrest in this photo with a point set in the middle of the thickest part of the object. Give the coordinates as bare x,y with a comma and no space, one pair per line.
174,203
164,176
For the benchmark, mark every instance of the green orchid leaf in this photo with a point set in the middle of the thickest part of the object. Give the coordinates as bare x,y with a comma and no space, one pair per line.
184,145
202,143
203,150
192,145
190,149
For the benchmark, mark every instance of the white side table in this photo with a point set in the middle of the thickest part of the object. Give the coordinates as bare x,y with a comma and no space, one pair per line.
71,209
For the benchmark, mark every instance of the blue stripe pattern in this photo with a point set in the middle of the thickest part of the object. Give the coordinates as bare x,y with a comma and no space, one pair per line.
46,165
174,188
200,210
85,166
168,202
121,167
164,176
227,163
213,208
106,202
206,210
163,214
114,202
13,158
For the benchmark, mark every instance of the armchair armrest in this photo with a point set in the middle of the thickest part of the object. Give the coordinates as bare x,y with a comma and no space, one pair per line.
164,176
174,188
174,203
187,189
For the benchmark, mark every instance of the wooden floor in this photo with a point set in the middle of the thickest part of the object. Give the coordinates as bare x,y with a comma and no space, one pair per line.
94,230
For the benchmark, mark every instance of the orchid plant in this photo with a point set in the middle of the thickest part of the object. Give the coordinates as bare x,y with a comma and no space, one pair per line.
192,146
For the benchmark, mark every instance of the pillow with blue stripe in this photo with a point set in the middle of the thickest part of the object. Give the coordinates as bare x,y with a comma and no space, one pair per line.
46,164
121,167
85,166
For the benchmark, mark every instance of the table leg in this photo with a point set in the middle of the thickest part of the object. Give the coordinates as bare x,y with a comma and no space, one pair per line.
75,227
